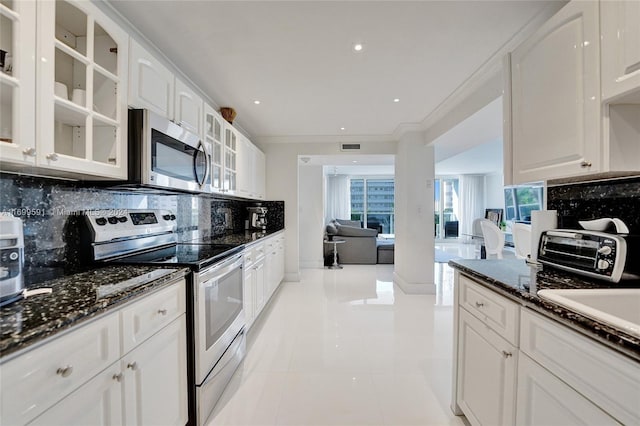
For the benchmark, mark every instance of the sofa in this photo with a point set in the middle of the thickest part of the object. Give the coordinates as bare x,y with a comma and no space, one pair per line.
360,243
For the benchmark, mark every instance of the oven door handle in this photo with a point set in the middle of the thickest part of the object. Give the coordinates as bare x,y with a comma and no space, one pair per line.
218,271
226,358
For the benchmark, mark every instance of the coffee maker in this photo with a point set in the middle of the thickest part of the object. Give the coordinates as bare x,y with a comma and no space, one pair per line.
257,218
11,259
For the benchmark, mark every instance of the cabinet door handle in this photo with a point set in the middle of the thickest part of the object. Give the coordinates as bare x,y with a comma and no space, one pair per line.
118,377
506,354
585,164
65,371
479,304
162,311
53,156
31,152
132,366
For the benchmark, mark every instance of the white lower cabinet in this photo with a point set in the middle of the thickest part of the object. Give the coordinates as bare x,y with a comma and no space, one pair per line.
486,373
607,379
98,402
86,377
545,400
263,272
544,375
155,383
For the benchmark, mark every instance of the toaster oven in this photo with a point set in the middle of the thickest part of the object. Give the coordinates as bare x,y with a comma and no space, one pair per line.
610,257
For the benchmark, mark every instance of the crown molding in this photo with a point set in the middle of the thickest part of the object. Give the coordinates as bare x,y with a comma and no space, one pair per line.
323,139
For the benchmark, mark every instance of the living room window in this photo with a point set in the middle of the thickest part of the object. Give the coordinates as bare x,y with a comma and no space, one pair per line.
372,203
520,201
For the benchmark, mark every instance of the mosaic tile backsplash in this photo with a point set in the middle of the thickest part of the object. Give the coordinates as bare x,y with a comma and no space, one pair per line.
47,208
594,200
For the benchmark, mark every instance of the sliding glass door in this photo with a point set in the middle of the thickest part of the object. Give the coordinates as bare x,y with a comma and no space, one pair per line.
446,205
372,203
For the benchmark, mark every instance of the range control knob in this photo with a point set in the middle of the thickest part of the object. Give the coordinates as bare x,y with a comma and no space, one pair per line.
604,250
101,221
113,220
603,264
166,217
173,217
122,219
13,255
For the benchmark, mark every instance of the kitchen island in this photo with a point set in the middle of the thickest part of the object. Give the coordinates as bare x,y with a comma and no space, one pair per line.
520,359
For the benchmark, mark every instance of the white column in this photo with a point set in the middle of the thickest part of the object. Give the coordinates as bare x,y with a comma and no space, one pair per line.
311,215
414,245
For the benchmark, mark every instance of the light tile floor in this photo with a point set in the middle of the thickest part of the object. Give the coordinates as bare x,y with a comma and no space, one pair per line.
346,347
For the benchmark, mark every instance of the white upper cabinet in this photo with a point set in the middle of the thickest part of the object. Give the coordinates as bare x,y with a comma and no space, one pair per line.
555,97
620,23
69,117
82,87
213,133
17,82
151,84
189,108
251,170
231,142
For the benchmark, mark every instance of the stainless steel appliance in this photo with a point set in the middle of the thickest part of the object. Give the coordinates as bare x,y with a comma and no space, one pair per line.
257,218
610,257
11,259
164,155
215,316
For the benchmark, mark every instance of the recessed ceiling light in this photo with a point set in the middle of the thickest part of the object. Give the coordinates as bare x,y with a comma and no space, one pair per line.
257,102
357,47
341,128
396,100
354,161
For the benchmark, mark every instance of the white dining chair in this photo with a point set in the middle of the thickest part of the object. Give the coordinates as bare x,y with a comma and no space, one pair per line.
493,238
522,239
477,237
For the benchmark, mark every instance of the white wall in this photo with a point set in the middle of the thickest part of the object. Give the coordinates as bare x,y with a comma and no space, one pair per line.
414,204
311,222
282,184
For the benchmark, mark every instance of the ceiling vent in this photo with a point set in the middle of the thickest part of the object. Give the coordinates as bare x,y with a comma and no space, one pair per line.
349,147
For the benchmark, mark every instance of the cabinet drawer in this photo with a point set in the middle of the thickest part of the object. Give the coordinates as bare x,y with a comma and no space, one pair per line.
144,318
39,378
253,253
544,400
499,313
608,379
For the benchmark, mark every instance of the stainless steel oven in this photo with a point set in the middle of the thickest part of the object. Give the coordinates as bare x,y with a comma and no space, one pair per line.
215,317
162,154
219,330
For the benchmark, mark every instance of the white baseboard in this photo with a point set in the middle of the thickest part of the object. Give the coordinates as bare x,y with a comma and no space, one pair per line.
292,277
311,264
414,288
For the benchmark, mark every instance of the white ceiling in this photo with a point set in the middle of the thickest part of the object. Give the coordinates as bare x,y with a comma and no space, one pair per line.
296,57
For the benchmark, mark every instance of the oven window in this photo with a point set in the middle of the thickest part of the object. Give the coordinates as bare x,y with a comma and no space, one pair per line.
173,158
223,302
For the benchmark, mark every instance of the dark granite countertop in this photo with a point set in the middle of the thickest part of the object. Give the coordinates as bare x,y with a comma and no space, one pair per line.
246,237
74,299
516,280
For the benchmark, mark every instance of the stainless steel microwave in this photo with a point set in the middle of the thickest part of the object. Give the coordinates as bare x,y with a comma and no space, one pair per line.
164,155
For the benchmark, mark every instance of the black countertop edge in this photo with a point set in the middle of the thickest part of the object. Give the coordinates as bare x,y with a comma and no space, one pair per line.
520,283
242,238
74,300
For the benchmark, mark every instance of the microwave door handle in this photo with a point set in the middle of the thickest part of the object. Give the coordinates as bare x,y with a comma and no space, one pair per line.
199,150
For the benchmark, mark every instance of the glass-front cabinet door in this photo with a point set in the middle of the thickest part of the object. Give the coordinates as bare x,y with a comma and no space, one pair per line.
230,156
82,90
17,82
213,126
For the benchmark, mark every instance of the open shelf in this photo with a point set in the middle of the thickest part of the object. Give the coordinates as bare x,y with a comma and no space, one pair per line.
66,112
